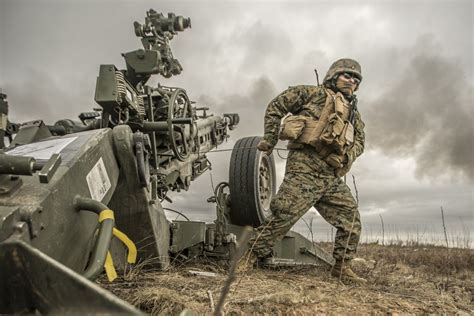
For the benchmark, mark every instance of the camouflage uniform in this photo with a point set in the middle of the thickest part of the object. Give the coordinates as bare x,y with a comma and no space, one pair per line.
309,180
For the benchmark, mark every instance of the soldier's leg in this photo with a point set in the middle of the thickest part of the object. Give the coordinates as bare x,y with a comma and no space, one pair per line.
339,208
297,193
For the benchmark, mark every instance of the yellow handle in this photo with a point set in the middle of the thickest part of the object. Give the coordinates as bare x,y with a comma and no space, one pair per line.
109,267
132,249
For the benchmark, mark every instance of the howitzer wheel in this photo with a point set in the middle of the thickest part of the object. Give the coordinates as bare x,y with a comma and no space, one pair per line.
252,183
179,107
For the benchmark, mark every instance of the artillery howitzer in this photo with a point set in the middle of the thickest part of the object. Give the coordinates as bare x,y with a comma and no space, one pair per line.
119,162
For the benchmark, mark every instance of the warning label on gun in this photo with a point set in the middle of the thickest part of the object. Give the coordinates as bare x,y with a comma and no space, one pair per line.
98,181
42,150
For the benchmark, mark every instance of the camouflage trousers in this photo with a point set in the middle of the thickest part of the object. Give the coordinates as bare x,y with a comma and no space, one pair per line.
309,182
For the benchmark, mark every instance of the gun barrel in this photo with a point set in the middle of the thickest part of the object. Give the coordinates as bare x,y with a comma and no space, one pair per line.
163,125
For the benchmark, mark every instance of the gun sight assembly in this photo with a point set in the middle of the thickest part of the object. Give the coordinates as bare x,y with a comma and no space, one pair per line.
156,56
156,24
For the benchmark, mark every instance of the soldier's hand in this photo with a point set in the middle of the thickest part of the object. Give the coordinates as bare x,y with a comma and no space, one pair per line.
265,146
346,165
334,160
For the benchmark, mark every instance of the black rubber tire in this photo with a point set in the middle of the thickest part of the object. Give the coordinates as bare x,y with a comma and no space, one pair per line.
247,207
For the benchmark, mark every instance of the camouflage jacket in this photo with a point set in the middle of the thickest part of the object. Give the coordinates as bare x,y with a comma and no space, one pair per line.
307,100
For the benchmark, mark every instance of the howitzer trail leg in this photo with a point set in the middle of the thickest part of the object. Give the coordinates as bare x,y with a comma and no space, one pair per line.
142,219
32,282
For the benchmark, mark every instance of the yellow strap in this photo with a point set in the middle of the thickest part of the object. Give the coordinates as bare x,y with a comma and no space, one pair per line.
109,267
132,249
106,214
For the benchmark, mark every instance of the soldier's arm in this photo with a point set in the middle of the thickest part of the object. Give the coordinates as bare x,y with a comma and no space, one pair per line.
359,138
289,101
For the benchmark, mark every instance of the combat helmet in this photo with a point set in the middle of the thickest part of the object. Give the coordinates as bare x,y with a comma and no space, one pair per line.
343,65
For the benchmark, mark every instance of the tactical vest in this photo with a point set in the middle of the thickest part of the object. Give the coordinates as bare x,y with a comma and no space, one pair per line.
332,135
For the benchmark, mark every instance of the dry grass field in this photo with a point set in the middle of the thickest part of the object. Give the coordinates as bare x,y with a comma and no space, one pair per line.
416,279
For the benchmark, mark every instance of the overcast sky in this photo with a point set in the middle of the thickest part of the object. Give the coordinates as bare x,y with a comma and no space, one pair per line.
416,97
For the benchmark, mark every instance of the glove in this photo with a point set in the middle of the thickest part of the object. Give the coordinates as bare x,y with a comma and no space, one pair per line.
334,160
265,146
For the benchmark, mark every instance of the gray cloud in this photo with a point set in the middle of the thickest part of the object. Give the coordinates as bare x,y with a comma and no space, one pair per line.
426,113
274,45
43,95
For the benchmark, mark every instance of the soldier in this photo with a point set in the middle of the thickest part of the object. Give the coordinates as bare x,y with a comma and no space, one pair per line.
326,135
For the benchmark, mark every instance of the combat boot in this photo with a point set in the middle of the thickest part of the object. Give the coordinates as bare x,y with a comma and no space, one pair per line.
344,272
246,262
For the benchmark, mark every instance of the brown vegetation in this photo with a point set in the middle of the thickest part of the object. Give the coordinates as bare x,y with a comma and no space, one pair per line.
402,279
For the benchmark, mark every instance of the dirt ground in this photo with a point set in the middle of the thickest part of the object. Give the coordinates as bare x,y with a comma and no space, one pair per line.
401,280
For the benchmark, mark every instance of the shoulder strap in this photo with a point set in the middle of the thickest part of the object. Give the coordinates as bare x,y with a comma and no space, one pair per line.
353,111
